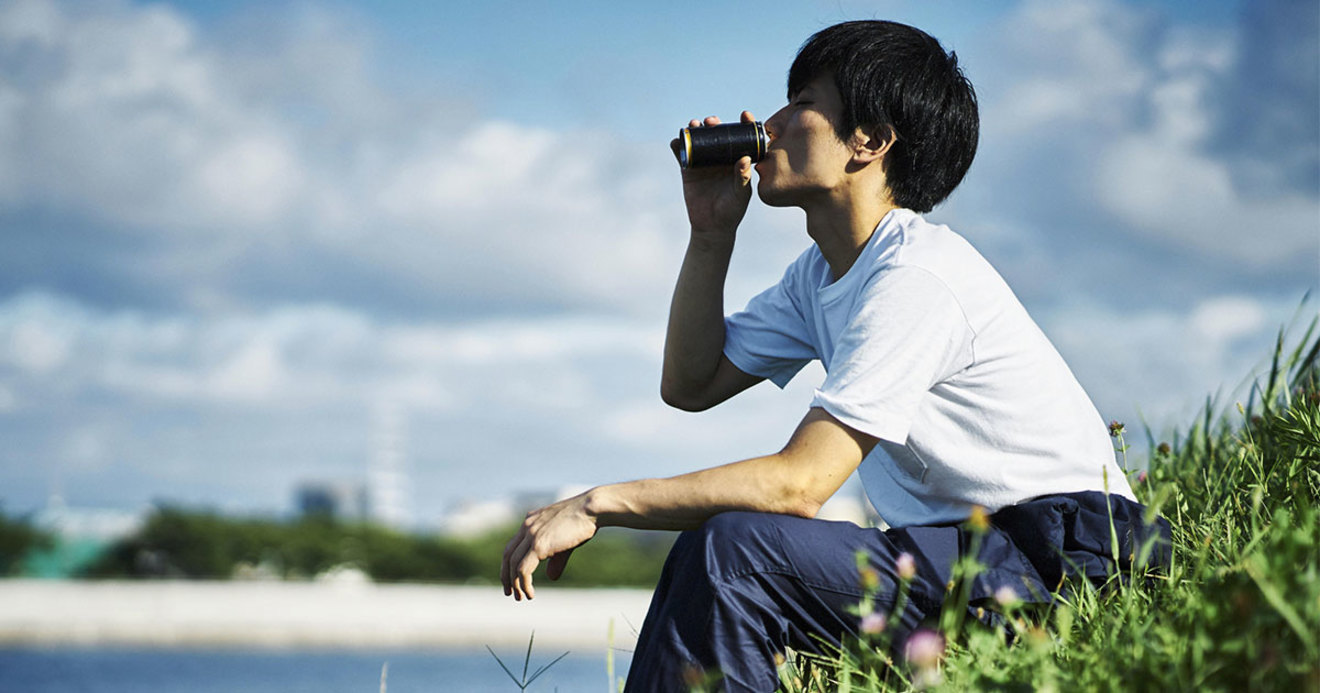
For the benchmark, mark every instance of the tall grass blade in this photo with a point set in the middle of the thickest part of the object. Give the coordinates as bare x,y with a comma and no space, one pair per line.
506,669
544,669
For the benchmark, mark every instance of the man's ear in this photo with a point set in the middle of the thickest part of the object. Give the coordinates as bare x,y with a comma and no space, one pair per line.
872,144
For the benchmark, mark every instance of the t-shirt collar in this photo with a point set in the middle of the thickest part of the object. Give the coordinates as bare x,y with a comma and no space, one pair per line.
886,233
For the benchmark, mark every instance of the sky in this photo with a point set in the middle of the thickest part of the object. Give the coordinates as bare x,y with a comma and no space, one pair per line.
249,244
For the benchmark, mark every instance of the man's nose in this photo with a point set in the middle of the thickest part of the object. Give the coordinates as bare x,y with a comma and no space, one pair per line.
772,125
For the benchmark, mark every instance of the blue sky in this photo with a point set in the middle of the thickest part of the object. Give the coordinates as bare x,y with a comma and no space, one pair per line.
237,235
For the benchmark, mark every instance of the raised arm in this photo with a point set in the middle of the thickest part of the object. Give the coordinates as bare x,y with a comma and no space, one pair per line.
696,374
797,480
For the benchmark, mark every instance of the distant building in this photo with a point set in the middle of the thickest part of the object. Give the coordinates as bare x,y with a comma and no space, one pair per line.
388,482
342,500
470,518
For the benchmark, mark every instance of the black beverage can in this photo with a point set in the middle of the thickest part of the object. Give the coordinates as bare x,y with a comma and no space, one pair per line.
722,144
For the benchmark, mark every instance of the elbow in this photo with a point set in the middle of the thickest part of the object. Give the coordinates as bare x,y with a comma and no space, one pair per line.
798,501
799,493
679,399
804,508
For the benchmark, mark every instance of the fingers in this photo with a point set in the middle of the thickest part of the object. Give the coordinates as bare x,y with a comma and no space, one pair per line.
548,534
520,564
744,169
505,576
517,565
523,582
710,121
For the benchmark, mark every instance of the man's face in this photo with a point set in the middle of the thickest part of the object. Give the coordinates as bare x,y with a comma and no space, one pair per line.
806,160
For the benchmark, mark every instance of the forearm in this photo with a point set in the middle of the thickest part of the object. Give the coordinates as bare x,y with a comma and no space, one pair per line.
771,484
694,341
796,481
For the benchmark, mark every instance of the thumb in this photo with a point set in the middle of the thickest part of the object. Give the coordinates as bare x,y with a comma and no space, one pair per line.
555,566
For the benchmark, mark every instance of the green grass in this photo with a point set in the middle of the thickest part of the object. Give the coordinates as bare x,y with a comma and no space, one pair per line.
1239,609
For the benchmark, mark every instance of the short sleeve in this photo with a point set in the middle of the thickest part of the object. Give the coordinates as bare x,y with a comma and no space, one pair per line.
770,338
907,333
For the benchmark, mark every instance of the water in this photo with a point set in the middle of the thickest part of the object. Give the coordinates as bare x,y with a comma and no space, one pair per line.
112,670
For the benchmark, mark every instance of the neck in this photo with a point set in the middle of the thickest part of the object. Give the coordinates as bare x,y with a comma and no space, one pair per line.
842,230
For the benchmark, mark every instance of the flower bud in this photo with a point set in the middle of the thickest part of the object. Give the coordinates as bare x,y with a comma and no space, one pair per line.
873,623
906,566
1006,596
924,649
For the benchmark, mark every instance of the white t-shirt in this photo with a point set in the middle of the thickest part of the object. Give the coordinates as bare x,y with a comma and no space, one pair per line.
927,349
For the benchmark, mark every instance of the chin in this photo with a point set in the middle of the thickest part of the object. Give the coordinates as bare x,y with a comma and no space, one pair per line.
769,195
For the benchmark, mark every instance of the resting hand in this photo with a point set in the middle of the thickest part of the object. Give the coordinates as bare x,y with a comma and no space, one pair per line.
549,533
716,196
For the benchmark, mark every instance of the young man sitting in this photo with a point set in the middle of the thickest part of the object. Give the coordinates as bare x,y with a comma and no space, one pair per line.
940,390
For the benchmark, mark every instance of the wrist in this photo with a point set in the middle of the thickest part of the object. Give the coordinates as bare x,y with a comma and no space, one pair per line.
712,239
593,503
601,503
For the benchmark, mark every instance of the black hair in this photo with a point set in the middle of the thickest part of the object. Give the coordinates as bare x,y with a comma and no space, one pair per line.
896,77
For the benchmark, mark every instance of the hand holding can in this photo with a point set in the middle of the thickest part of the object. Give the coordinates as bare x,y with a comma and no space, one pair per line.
722,144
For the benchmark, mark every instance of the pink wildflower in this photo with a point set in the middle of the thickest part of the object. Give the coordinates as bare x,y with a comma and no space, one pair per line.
1006,596
873,623
906,566
924,649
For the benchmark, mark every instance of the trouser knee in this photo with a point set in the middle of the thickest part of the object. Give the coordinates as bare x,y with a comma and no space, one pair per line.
731,543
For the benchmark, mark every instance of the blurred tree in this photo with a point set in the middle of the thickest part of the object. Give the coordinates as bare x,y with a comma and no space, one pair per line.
201,544
17,539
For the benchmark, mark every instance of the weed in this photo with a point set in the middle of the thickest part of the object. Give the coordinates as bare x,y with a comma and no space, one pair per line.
522,682
1238,608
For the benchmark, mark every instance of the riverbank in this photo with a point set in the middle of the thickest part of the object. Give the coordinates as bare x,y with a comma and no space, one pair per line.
346,614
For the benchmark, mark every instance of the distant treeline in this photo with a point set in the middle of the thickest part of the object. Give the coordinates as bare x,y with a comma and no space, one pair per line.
18,538
177,542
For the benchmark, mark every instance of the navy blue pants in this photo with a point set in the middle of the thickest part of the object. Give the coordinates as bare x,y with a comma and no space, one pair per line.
737,592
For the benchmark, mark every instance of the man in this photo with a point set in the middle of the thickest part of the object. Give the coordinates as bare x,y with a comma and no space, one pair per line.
940,389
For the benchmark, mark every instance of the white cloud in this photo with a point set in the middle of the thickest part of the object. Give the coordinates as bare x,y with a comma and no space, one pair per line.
1159,178
1133,107
210,153
37,348
1162,363
35,341
1183,197
1073,63
121,113
289,392
1226,318
251,179
314,356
